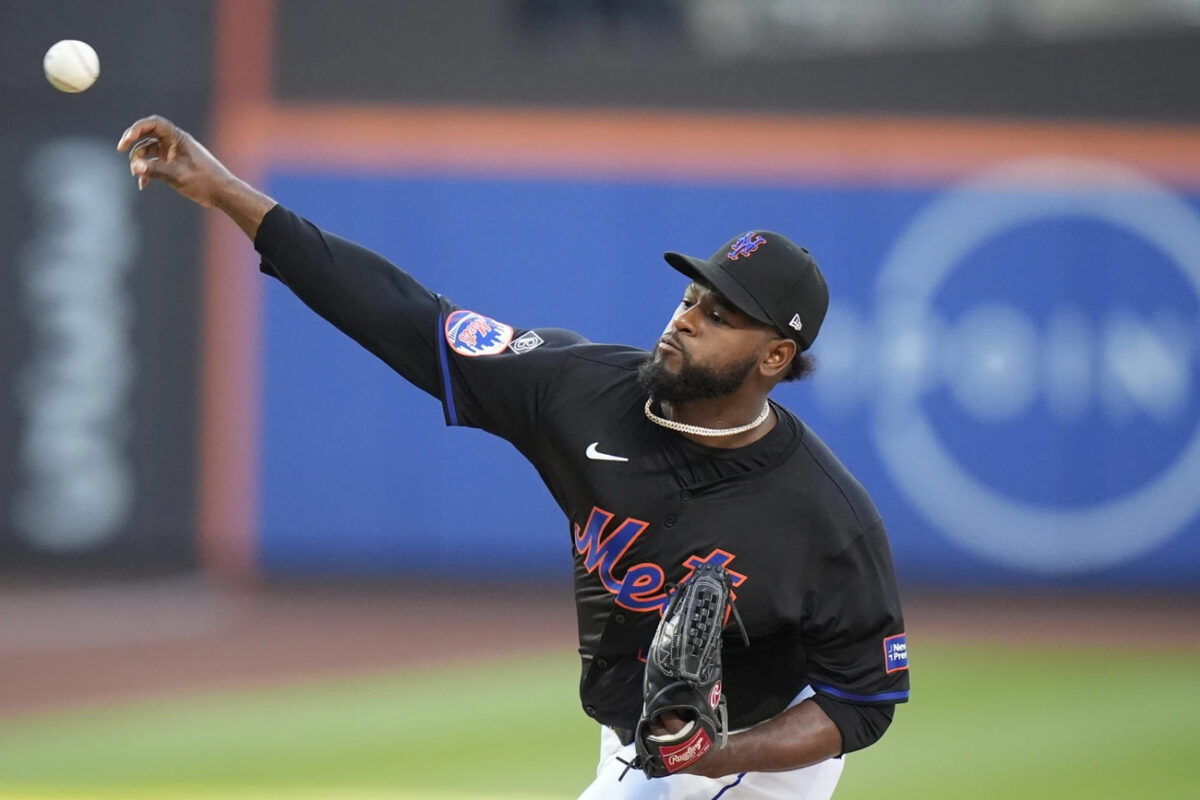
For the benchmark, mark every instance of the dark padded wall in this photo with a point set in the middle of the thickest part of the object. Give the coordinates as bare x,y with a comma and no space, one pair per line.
99,296
485,51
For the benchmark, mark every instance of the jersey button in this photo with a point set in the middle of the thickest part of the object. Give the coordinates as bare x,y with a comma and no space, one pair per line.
601,663
619,619
669,520
685,495
589,710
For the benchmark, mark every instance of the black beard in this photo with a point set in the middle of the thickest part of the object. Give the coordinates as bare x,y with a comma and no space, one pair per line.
692,382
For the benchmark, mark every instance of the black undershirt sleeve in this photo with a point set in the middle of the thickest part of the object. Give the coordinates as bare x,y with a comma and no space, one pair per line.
861,725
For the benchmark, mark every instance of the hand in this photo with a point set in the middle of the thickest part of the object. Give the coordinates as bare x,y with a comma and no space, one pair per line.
666,723
159,150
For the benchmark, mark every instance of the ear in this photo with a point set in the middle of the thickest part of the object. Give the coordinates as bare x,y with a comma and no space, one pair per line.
780,353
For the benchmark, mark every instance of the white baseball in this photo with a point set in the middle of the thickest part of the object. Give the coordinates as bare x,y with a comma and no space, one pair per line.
71,65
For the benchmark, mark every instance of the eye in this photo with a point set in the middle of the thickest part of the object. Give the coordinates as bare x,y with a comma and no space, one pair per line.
716,317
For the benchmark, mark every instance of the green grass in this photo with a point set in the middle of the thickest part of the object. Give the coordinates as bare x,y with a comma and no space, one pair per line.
1014,722
455,730
1024,722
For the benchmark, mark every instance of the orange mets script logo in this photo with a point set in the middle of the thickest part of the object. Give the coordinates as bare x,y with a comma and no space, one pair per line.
641,588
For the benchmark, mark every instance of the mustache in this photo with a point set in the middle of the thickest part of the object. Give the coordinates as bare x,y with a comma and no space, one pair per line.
673,341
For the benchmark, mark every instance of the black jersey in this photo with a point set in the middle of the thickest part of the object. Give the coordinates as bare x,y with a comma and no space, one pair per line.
810,561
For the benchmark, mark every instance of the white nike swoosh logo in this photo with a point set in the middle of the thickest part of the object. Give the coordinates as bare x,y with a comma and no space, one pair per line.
596,455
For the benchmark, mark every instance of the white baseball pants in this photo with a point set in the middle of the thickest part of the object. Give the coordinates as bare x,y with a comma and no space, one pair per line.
809,783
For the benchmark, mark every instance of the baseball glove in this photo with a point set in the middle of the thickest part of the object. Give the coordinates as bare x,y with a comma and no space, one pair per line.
683,675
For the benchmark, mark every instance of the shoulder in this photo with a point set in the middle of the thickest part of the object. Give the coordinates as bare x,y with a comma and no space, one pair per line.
828,483
614,357
600,375
576,368
575,351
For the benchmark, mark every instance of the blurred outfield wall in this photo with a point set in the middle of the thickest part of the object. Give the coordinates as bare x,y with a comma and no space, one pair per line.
1010,229
1009,363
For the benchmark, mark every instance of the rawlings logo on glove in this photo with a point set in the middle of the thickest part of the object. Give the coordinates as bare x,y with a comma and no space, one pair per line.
683,676
677,758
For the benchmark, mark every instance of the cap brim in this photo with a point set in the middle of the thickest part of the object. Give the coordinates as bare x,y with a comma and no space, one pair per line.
726,284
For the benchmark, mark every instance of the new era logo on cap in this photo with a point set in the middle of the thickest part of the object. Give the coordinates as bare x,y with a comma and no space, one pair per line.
796,323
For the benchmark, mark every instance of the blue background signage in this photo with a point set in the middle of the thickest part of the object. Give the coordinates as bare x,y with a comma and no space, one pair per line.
1009,366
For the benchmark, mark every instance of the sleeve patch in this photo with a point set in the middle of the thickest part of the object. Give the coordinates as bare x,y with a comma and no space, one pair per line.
471,334
895,653
526,342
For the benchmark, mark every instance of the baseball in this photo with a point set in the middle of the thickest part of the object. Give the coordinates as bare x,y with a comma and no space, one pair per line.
71,65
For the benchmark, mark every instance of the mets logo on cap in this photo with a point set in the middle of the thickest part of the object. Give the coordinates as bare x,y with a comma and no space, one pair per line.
745,245
471,334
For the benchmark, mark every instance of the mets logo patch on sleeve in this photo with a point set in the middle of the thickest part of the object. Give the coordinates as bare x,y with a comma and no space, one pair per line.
471,334
895,653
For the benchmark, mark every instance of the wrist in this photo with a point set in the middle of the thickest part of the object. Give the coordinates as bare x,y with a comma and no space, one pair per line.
242,203
719,763
228,192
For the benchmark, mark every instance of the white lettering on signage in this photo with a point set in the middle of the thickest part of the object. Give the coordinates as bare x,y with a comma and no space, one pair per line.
997,363
76,486
1127,363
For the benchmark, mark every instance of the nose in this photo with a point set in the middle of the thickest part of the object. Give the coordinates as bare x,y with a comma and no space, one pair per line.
685,321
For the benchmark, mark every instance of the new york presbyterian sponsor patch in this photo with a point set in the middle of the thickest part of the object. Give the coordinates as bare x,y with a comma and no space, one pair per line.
471,334
526,342
895,653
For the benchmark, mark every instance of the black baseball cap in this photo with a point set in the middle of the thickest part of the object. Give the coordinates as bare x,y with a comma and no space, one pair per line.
766,276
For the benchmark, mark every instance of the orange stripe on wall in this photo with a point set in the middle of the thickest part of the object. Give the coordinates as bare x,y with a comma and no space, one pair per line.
228,481
694,146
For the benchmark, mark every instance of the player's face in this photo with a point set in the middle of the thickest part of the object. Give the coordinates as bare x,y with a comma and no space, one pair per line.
708,349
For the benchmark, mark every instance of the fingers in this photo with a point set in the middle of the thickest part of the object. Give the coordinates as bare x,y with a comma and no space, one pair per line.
151,142
154,126
668,722
143,150
147,147
144,169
